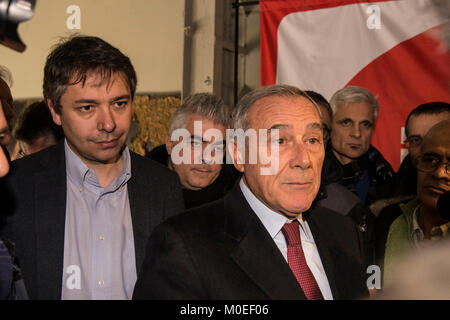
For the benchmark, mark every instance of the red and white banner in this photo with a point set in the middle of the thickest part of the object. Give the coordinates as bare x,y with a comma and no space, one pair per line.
395,49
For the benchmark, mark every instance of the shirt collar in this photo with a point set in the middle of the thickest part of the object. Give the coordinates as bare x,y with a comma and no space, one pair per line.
436,233
79,172
271,220
417,233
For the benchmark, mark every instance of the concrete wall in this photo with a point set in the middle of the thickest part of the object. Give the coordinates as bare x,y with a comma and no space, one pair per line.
150,32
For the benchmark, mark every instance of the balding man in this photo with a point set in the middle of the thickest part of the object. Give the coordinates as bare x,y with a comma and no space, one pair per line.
263,240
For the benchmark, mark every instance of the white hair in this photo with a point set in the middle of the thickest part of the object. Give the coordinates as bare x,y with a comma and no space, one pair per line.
354,94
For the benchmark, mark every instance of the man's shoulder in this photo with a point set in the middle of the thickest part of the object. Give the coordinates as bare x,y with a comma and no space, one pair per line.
328,216
379,163
333,224
339,198
47,159
206,216
146,166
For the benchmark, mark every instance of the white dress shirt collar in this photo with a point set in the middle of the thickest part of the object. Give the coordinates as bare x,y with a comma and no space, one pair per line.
272,221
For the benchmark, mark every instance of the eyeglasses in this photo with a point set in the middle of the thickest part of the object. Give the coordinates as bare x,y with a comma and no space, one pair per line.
431,163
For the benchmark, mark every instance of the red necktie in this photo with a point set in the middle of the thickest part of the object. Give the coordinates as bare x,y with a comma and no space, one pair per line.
297,262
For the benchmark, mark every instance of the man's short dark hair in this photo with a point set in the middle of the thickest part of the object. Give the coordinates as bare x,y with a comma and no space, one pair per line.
36,121
435,107
71,61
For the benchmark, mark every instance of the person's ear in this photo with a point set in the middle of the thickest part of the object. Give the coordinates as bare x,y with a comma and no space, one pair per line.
169,144
55,115
237,155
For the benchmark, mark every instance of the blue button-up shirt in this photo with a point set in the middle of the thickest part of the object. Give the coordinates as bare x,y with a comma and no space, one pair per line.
99,255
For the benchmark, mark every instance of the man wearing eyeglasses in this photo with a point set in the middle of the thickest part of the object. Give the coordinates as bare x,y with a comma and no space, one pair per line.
418,122
420,222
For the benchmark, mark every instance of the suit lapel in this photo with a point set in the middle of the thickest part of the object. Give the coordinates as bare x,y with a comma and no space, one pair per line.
256,253
50,211
139,205
323,244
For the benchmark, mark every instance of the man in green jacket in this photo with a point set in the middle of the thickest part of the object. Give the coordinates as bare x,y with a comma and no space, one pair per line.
421,223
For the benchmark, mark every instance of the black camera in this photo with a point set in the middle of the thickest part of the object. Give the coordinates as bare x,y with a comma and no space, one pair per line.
12,13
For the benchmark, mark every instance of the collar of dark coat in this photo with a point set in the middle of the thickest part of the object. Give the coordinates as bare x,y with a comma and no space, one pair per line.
256,252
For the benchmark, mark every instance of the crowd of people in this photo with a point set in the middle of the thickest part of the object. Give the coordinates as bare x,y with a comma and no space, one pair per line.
84,217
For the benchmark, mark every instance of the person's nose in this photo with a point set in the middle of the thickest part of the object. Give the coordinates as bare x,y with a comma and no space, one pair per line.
300,157
443,171
106,121
208,158
355,131
209,154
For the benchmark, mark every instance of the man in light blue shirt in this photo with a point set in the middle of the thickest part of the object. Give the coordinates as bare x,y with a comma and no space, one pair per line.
82,211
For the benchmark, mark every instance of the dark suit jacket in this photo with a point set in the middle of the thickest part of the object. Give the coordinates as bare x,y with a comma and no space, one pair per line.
222,251
34,197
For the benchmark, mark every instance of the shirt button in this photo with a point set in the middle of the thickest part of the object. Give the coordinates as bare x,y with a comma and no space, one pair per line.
80,189
101,198
90,175
101,238
101,282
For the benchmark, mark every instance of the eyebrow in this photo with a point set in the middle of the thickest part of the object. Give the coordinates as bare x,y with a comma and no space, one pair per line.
432,154
93,101
279,126
195,137
313,125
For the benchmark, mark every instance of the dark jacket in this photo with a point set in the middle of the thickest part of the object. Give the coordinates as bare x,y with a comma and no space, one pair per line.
35,196
406,178
222,251
370,176
6,273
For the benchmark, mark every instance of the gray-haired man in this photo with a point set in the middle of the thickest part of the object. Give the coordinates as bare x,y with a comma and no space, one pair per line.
352,161
248,244
195,149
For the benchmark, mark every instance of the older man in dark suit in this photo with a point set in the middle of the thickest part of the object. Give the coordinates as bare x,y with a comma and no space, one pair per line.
82,210
264,239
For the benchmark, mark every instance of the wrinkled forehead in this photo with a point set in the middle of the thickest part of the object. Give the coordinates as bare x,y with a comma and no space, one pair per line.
355,110
273,109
